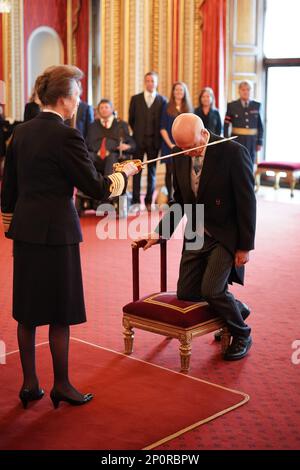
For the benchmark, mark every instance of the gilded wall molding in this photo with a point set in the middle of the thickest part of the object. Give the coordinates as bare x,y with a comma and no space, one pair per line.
154,39
69,32
197,56
138,36
13,38
164,65
111,39
6,38
186,49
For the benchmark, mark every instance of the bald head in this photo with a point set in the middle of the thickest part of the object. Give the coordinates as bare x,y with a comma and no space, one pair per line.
188,131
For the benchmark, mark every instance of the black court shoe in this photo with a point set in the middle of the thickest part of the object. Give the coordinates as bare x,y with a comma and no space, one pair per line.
57,397
27,395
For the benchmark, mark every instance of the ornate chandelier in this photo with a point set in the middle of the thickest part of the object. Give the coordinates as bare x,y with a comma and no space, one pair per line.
5,6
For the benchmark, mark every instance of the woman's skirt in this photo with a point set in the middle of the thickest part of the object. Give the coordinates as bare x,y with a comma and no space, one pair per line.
47,285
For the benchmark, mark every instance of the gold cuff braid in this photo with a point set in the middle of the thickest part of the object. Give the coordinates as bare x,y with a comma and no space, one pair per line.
117,184
6,219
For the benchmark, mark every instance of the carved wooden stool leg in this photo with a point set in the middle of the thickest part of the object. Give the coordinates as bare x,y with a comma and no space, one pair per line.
225,340
185,351
257,181
128,336
277,180
292,181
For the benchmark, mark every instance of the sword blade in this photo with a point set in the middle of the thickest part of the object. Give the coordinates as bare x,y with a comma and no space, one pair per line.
216,142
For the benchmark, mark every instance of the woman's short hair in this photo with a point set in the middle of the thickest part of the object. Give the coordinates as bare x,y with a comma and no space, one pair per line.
57,82
210,91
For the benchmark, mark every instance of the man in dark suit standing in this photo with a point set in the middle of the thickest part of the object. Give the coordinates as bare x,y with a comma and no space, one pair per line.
219,177
144,119
243,116
84,117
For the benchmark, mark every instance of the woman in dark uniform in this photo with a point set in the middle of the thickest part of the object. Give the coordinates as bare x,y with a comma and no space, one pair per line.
45,161
208,112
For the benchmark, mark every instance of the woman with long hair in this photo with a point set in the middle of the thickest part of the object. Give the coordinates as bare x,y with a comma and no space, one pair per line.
179,102
208,112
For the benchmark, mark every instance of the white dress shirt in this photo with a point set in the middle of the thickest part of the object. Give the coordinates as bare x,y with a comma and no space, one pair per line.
149,97
107,121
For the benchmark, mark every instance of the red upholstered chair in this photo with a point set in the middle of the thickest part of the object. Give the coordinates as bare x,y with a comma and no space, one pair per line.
162,313
291,170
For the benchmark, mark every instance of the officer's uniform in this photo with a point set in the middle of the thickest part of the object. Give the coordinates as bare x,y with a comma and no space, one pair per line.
246,124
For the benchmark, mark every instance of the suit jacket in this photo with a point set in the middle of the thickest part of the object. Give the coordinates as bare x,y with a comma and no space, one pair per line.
213,119
137,110
45,160
96,133
31,110
84,117
226,189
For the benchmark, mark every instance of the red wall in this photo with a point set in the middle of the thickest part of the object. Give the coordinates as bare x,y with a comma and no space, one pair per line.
82,44
53,13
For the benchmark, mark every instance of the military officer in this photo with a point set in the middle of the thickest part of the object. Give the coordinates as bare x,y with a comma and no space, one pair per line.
244,117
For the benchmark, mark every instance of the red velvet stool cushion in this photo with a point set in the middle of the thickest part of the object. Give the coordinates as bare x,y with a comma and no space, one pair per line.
279,166
166,308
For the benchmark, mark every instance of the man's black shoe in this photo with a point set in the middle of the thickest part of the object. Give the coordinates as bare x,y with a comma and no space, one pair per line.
238,348
245,312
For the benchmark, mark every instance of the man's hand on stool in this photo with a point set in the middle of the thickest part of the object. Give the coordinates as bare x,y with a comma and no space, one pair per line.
151,239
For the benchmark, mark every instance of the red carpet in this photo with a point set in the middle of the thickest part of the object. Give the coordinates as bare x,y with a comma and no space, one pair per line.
271,420
136,404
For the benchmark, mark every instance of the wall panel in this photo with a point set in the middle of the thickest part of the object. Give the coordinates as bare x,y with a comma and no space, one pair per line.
245,51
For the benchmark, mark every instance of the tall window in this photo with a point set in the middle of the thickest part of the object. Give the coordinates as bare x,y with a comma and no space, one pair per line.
282,62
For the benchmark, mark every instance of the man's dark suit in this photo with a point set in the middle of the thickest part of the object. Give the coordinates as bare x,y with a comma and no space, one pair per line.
113,135
84,117
145,124
227,191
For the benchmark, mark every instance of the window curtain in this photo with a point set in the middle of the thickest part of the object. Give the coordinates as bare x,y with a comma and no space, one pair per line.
214,48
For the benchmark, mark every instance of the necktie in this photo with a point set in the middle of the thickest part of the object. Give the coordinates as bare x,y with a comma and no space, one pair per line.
149,100
103,144
197,165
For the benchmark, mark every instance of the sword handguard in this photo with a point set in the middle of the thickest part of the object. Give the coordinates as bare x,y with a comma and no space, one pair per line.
120,165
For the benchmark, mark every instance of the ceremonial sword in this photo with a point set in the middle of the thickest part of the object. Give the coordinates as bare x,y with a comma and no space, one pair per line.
118,166
216,142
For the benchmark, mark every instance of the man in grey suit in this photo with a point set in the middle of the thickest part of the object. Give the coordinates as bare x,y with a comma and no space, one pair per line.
219,177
